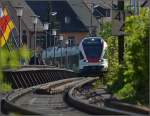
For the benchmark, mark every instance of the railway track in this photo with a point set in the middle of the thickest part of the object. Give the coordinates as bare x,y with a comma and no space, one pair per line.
51,100
49,91
101,102
46,103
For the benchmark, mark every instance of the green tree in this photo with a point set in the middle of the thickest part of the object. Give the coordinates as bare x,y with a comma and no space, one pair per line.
112,42
10,60
136,56
130,81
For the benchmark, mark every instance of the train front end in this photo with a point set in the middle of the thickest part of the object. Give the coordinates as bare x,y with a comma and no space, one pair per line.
93,56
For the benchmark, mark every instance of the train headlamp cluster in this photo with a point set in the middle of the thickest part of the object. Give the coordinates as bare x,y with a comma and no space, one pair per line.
85,60
101,60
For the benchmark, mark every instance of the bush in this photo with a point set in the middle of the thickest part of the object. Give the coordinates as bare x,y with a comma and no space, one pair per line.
130,81
10,60
136,55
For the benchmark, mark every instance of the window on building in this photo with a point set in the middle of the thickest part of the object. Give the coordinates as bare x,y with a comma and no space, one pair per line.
40,41
67,19
107,12
71,40
24,37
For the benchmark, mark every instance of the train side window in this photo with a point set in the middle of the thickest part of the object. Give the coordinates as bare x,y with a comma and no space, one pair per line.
81,56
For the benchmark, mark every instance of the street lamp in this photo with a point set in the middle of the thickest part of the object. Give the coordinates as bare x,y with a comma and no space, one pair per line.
66,42
61,37
19,11
51,14
54,33
45,27
34,21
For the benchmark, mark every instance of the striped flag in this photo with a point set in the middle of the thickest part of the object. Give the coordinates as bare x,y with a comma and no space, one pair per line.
6,26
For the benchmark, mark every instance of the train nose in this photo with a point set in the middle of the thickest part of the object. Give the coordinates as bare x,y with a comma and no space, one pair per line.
93,60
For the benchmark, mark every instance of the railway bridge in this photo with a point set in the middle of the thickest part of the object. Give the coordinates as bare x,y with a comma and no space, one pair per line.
45,90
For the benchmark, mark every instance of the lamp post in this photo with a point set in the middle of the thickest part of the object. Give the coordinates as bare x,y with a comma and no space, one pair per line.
19,11
66,42
51,14
54,33
45,27
34,21
61,37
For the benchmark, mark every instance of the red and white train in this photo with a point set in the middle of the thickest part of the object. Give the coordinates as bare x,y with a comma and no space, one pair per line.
93,56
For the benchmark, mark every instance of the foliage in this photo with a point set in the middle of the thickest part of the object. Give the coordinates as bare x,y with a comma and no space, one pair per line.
137,51
130,81
25,54
10,59
106,30
112,42
97,84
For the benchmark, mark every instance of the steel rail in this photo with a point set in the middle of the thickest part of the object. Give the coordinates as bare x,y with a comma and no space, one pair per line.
26,102
110,105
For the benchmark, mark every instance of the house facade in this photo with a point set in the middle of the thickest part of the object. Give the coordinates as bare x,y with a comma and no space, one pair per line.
26,21
73,19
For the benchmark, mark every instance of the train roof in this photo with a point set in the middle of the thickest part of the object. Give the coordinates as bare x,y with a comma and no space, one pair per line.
89,37
95,37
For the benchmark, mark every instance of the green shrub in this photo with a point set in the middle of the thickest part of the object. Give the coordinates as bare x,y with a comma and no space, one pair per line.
130,81
10,60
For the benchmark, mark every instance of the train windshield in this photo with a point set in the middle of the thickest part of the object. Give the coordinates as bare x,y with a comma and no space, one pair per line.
93,48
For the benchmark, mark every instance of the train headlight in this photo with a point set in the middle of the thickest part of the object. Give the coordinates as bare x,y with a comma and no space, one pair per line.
101,60
85,60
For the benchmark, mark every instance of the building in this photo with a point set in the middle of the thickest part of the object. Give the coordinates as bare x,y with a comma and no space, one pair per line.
101,9
27,24
145,3
73,17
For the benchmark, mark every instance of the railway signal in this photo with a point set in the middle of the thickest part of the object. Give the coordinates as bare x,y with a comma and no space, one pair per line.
118,24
